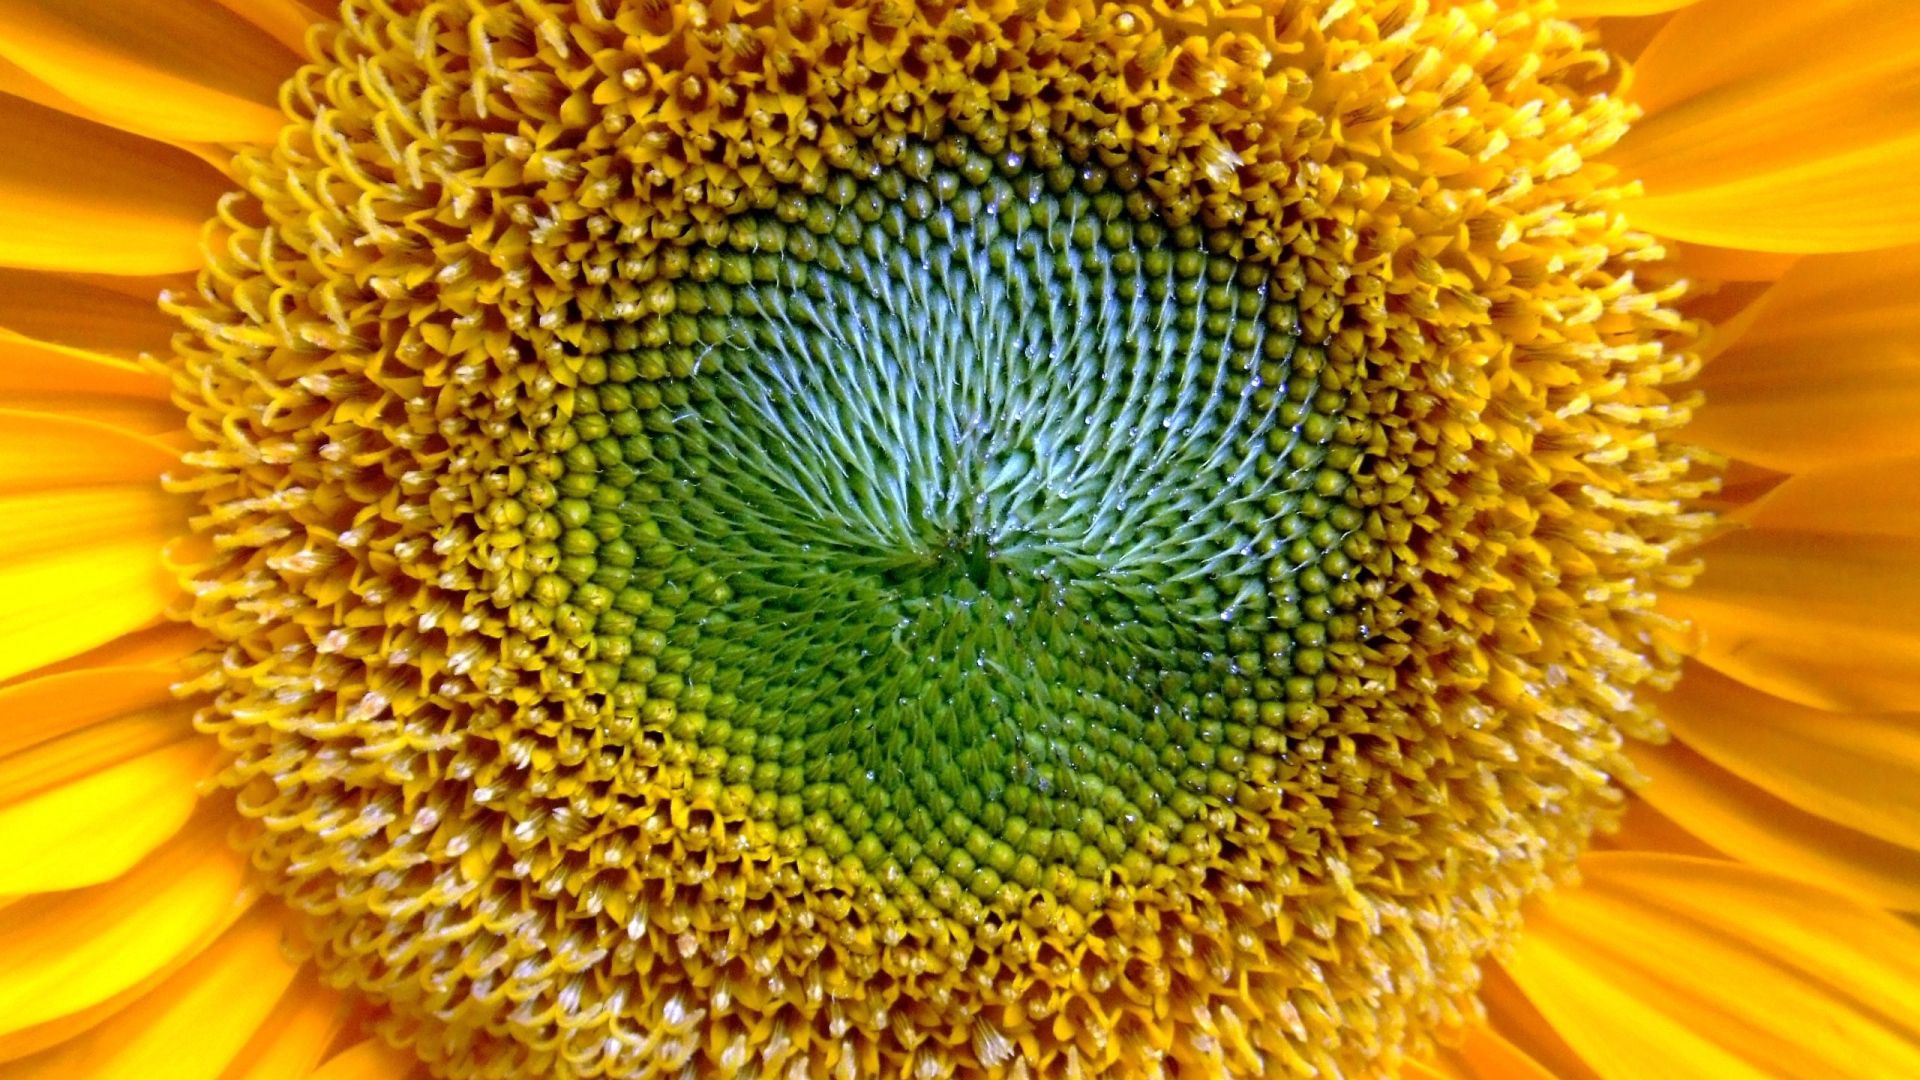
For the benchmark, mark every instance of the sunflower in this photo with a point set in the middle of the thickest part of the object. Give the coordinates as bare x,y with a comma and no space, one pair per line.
841,538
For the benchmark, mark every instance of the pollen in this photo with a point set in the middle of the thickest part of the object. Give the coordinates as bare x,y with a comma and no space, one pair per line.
940,539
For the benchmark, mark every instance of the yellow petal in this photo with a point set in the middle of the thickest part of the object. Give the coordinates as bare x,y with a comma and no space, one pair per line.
116,317
49,706
1627,37
79,568
1644,828
1827,621
1484,1055
1755,827
1705,262
41,451
1582,9
32,1040
79,196
1659,966
177,71
94,827
1871,498
190,1027
130,683
1488,1056
296,1036
286,20
126,414
30,364
1856,769
39,521
1870,957
368,1060
1780,127
1826,371
39,377
55,762
167,643
63,952
1606,1010
22,83
1519,1022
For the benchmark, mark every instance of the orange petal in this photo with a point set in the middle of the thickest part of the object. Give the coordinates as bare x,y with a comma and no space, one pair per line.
39,377
129,415
22,83
292,1041
1780,127
53,762
369,1060
190,1027
1757,828
31,366
1742,482
176,71
118,317
64,952
1827,621
1644,828
49,706
1871,498
1703,261
1517,1021
1484,1055
1826,371
286,20
1868,960
1581,9
76,195
54,521
42,451
1683,968
1856,769
1629,36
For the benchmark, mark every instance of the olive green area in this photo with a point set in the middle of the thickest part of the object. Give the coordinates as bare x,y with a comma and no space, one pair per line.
965,513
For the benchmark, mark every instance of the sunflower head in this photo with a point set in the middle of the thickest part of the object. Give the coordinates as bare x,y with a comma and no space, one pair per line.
959,537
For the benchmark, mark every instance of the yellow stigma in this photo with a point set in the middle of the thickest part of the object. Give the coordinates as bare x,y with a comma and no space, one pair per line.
970,538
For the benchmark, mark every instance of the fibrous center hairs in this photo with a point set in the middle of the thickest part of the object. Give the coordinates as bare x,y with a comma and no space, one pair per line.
959,539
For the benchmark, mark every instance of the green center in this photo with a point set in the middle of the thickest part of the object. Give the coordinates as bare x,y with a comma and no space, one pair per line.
961,512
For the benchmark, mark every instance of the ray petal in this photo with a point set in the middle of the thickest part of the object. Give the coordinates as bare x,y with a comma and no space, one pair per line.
168,70
1686,968
193,1025
64,952
1780,127
79,196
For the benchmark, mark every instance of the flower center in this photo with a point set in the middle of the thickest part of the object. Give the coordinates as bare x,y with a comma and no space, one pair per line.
959,503
923,540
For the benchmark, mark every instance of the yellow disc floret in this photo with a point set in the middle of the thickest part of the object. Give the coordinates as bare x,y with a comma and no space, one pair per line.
860,538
